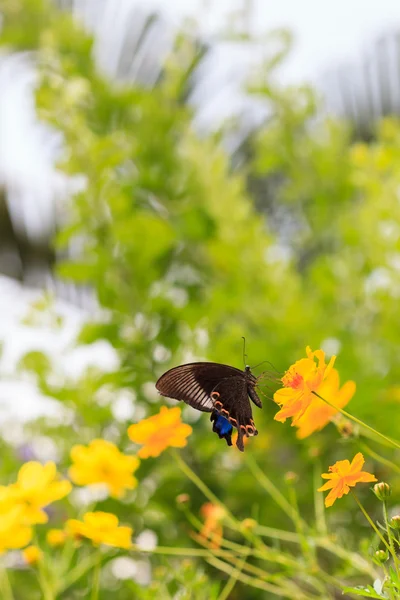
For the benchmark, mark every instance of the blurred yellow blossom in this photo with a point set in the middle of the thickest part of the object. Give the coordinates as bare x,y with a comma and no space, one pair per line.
318,414
102,462
388,129
37,486
359,154
300,381
13,533
384,158
101,528
55,537
32,554
342,476
159,432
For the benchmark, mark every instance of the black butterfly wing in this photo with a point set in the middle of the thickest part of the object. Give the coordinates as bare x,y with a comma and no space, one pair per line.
231,402
216,388
194,383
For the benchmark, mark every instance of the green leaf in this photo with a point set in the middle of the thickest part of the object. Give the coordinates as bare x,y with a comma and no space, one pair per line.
365,592
79,272
36,362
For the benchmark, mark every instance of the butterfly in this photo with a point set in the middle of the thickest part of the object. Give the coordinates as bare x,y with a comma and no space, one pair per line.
222,390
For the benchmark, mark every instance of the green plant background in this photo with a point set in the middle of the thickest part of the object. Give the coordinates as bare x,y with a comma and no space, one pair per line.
298,245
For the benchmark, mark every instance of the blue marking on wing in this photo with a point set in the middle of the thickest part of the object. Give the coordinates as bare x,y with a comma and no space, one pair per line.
222,425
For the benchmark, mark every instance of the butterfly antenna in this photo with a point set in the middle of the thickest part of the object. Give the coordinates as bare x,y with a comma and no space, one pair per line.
270,363
244,351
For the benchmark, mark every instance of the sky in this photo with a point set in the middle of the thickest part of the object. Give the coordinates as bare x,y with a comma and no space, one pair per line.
326,33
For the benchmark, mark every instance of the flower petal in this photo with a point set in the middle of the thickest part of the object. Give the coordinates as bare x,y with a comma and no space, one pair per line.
357,463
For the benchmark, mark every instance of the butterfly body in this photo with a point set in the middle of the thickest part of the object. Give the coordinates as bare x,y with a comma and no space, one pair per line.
220,389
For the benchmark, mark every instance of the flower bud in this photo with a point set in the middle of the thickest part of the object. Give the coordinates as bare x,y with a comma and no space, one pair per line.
346,428
291,477
381,556
395,522
314,452
56,537
32,555
382,490
249,524
182,499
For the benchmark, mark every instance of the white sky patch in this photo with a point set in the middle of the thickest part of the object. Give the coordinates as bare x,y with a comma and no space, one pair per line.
21,398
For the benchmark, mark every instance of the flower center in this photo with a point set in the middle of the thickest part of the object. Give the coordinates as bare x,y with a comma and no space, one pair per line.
293,380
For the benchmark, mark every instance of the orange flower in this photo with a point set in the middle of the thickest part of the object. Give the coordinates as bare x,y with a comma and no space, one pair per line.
318,414
159,432
300,381
342,476
212,528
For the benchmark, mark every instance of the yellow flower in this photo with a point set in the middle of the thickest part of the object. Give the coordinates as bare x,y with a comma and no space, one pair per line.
32,555
318,414
13,534
102,462
300,381
388,129
342,476
37,486
359,154
159,432
212,529
55,537
101,528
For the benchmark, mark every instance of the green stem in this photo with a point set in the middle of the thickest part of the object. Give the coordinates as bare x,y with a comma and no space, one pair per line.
169,551
235,524
352,557
230,584
390,538
268,554
45,585
323,542
308,549
96,579
278,534
320,520
67,554
254,582
388,578
307,553
379,458
5,585
263,575
273,491
359,422
374,527
75,574
203,488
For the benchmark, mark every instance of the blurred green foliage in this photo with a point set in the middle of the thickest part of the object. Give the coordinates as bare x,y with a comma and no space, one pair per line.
299,245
